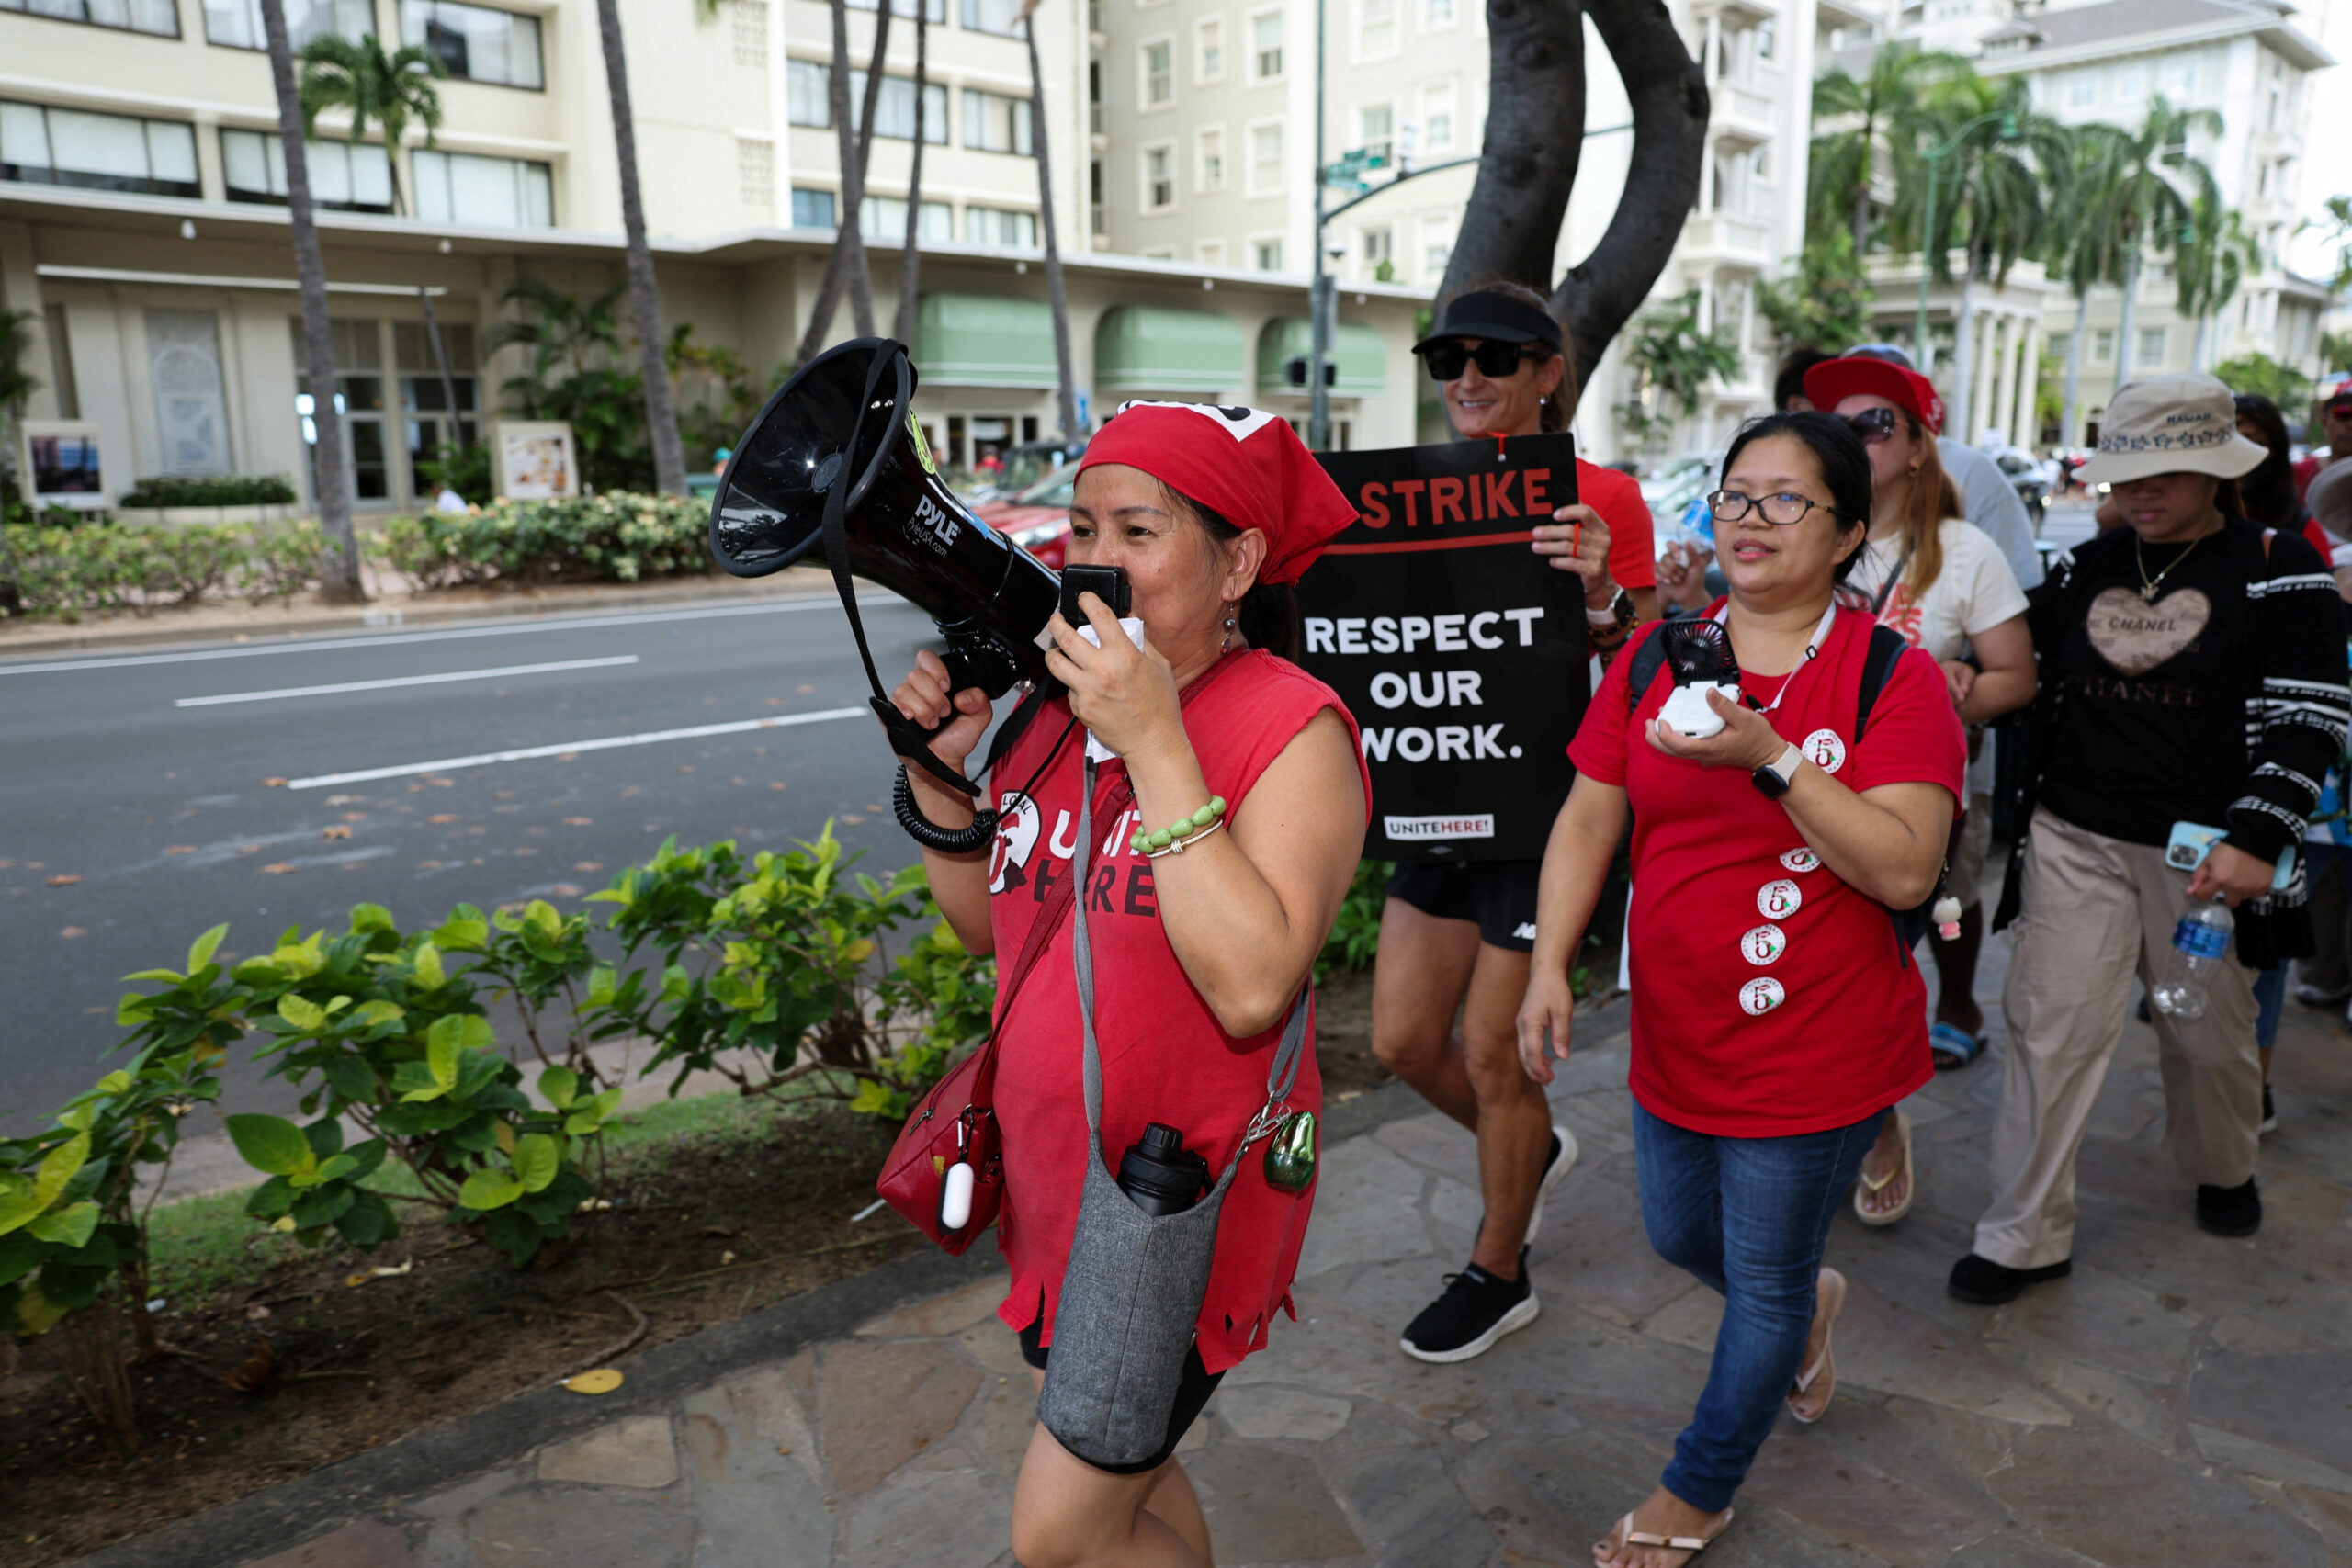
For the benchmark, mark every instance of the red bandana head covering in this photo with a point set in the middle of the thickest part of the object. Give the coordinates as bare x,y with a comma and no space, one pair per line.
1246,465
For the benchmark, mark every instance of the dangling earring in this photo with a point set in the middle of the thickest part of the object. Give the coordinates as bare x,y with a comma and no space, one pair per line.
1228,643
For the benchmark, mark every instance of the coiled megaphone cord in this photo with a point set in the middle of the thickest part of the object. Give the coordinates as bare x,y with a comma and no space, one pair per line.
964,841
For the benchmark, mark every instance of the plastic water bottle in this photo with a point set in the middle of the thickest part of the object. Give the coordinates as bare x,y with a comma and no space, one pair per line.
2200,941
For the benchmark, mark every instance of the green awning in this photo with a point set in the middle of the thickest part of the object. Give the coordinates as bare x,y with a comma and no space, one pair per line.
1357,350
1145,349
980,340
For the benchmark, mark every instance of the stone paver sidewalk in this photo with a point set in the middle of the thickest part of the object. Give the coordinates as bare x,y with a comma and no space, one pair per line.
2181,1401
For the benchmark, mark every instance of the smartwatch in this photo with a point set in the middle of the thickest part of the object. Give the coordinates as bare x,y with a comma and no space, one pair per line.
1775,776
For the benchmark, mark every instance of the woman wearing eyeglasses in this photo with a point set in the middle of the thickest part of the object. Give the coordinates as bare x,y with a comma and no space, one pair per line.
1454,937
1775,1010
1943,583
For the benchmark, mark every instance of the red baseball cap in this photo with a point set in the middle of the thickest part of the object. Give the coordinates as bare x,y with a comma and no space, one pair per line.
1832,381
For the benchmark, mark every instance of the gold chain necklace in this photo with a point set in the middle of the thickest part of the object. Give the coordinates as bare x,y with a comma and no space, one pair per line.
2150,587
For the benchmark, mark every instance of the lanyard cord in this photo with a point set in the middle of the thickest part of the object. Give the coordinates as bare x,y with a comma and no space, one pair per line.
1812,651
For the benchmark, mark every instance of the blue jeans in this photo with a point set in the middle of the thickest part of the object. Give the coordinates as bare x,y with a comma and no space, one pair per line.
1749,1217
2270,1001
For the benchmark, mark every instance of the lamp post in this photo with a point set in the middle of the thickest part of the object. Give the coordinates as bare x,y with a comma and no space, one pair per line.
1936,156
1320,297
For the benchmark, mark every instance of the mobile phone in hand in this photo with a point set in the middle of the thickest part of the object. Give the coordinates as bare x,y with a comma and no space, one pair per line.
1108,583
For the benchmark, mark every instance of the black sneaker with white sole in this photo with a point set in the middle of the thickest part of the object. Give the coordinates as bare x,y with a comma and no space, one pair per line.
1476,1310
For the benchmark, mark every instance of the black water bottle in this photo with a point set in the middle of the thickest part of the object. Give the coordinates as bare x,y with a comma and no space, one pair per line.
1160,1175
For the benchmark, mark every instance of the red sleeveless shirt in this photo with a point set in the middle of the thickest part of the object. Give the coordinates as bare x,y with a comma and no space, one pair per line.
1165,1058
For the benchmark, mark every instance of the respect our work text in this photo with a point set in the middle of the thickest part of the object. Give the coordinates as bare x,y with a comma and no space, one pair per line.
1403,634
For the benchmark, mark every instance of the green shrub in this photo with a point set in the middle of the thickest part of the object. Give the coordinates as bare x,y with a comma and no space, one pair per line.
1354,940
465,469
620,536
71,572
226,489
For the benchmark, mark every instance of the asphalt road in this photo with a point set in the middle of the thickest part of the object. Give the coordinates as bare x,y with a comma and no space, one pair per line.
144,776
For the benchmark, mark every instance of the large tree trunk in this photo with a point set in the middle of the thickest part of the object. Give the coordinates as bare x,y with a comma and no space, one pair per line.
1527,163
645,303
2069,432
845,264
910,253
2126,346
1057,297
340,571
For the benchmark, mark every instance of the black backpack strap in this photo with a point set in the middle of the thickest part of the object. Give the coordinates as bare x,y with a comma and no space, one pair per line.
1887,647
1648,659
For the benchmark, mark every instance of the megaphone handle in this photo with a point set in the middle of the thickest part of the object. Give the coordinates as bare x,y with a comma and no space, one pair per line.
910,740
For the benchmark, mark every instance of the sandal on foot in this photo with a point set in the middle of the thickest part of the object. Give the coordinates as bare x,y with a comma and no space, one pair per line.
1952,1046
1830,1295
1625,1534
1865,1187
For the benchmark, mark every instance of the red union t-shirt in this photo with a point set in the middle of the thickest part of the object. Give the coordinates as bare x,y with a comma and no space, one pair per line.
1769,998
1632,555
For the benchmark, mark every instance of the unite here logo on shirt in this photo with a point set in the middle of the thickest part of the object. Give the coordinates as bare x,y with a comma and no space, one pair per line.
1122,880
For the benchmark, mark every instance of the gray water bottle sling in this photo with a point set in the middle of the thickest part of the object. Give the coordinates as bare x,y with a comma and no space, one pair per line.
1133,1288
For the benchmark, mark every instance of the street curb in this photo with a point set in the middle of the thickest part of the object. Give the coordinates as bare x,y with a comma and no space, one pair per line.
417,612
279,1518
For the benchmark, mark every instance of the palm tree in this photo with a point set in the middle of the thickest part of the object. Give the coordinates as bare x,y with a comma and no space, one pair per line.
845,265
567,337
341,567
2083,253
910,253
390,90
16,387
645,298
2210,263
2157,186
1881,110
1057,297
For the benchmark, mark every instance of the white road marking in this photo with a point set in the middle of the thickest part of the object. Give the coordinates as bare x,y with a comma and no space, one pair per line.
403,681
604,743
501,628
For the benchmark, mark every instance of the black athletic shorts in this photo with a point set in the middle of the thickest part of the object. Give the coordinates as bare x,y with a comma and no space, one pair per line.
1499,894
1191,1397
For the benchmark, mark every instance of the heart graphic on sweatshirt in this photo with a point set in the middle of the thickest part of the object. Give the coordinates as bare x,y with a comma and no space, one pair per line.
2135,635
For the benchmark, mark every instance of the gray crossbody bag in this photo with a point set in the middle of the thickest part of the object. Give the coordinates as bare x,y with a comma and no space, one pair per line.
1134,1285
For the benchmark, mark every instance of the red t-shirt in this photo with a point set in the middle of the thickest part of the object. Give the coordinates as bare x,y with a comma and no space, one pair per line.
1633,556
1769,998
1165,1058
2316,537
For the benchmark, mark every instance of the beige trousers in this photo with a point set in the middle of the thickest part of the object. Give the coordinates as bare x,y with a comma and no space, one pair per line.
2095,910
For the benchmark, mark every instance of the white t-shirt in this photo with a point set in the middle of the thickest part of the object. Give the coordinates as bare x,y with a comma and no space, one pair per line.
1975,592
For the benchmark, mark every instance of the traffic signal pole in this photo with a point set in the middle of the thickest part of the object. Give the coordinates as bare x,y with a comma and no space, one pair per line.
1321,298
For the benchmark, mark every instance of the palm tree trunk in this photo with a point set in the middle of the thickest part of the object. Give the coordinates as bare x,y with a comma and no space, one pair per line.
645,300
1861,220
845,264
910,253
2125,343
441,362
1056,296
340,569
2067,428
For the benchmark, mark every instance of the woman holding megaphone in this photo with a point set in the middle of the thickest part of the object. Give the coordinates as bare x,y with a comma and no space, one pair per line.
1227,810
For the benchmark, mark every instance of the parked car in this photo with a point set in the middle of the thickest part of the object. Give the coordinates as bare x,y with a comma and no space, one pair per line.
1675,488
1037,518
1025,465
2028,475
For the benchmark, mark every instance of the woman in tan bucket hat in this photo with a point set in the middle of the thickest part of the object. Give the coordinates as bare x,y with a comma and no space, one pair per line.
2191,672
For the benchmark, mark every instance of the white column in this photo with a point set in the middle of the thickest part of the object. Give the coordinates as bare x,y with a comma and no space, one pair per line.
1988,357
1996,406
2022,419
1713,60
1707,176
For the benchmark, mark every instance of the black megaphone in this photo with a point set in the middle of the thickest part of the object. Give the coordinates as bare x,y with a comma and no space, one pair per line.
836,459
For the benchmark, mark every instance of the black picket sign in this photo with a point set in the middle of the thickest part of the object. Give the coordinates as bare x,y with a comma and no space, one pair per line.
1461,653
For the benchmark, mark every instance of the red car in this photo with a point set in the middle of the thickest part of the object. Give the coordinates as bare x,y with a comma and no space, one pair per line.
1037,518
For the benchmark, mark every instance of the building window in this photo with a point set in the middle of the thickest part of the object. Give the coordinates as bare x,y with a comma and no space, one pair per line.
347,177
2153,343
2060,345
1437,248
474,192
2082,89
1378,248
1208,158
1159,178
1208,50
1436,14
161,17
97,152
1375,28
2131,83
1209,253
1098,216
1437,118
811,208
1001,17
2180,76
358,350
894,108
1159,252
807,94
749,30
1267,254
885,218
237,23
425,400
937,9
475,44
1000,226
994,123
2103,345
1265,159
755,173
1767,39
1158,73
1376,131
1266,46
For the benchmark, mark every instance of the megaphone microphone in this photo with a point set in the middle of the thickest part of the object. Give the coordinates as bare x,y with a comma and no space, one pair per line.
837,460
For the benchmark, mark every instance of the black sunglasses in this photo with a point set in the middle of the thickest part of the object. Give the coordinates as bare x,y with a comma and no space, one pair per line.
1873,426
1448,359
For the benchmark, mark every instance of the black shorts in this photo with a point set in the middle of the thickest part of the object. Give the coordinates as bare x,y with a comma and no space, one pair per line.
1192,1398
1499,894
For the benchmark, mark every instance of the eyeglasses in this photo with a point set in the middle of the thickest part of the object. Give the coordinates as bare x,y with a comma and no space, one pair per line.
1873,426
1447,359
1784,510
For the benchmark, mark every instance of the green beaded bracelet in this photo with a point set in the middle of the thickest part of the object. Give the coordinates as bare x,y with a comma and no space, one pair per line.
1184,828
